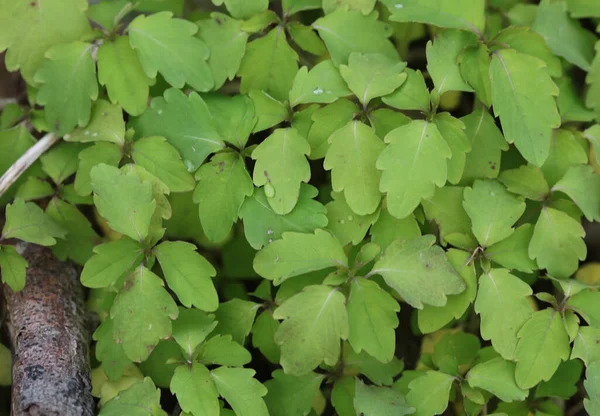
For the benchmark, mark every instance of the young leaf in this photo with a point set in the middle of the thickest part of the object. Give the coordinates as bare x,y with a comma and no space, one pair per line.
346,31
140,399
412,94
493,211
527,180
384,401
432,318
235,318
188,274
442,60
429,394
263,226
234,117
498,377
281,166
322,84
191,328
513,252
306,38
121,72
227,43
108,352
28,34
584,303
68,78
522,92
297,254
557,243
269,111
413,164
26,221
111,261
372,315
503,307
419,271
243,392
543,344
196,393
101,153
452,130
582,185
13,268
291,395
474,64
142,314
351,157
168,46
123,200
269,65
388,228
326,121
314,322
222,350
345,224
372,75
187,124
106,125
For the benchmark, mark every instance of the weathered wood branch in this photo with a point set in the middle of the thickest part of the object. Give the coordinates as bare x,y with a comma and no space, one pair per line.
50,339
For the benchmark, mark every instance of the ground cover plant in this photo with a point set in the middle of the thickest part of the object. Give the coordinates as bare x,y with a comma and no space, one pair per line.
308,207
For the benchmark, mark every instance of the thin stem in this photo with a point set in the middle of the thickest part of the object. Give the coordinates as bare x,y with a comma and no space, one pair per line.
26,160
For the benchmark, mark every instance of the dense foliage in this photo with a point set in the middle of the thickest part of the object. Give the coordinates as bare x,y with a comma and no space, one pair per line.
317,206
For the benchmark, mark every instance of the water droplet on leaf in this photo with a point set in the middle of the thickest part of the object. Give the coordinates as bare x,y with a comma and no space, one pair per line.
269,190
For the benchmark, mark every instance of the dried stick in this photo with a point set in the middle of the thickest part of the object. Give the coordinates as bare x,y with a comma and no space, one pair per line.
46,323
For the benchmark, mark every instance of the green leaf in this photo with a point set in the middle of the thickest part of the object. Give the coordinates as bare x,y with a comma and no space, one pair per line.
345,224
566,151
376,371
163,161
121,72
142,314
141,399
26,221
454,350
372,316
291,7
123,200
503,307
223,185
585,304
241,9
110,262
364,6
493,211
262,225
384,401
442,60
227,43
297,254
168,46
270,112
522,92
527,180
351,158
384,120
291,395
347,31
564,35
513,252
306,38
498,377
187,124
61,161
13,268
413,164
263,333
281,166
34,188
28,33
563,383
68,78
196,393
432,318
592,387
235,318
101,153
583,8
543,344
557,243
487,144
269,65
112,357
243,392
372,75
81,236
322,84
106,124
314,322
582,185
592,134
460,14
191,328
445,208
429,393
419,271
234,117
221,350
592,99
587,345
571,103
412,94
342,396
326,121
452,130
388,228
188,274
474,64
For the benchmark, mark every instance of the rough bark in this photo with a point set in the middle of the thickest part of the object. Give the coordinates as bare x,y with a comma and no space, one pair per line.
50,340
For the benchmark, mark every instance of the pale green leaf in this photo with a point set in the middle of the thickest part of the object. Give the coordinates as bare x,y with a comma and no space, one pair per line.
388,228
592,387
587,345
34,188
527,180
585,303
191,328
452,130
291,395
61,161
566,151
269,111
563,384
110,262
222,350
26,221
498,377
108,352
345,224
106,125
442,60
241,390
326,121
196,393
322,84
376,371
235,318
242,9
306,38
101,153
571,102
582,185
234,117
412,94
592,99
141,399
446,210
583,8
474,64
263,333
429,393
381,401
513,252
13,268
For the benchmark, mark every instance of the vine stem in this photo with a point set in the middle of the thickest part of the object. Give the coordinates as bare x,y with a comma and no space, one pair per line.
26,160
